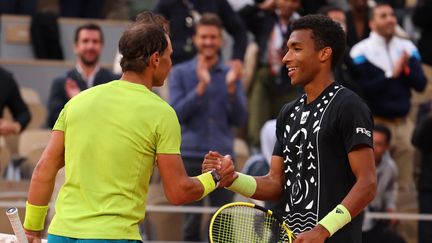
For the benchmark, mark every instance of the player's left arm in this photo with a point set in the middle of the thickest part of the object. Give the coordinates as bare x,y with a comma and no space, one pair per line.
42,185
355,126
362,164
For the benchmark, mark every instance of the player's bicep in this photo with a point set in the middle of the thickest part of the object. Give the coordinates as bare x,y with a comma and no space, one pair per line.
270,186
52,158
171,169
362,163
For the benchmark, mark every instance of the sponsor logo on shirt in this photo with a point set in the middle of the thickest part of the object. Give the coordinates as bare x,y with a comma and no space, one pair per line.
304,117
364,131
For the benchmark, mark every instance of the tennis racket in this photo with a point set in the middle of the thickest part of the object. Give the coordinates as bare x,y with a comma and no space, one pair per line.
17,227
246,222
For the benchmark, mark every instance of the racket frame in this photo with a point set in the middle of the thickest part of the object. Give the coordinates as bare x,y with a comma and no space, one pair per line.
283,225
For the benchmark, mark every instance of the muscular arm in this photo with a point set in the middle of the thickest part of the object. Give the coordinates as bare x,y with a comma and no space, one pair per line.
362,164
43,179
270,186
179,188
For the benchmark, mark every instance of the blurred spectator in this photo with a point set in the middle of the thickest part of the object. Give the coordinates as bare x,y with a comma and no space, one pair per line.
208,105
399,7
183,14
87,72
27,7
82,8
10,97
390,67
422,140
357,22
378,230
422,18
345,73
271,87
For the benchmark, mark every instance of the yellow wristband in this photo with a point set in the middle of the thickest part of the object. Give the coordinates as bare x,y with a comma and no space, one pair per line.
35,217
207,181
244,184
336,219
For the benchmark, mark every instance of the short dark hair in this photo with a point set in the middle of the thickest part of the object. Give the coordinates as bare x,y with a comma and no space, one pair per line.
210,19
326,33
89,26
384,130
371,11
141,39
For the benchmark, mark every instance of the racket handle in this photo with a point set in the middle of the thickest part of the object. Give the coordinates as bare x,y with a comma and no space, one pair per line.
17,227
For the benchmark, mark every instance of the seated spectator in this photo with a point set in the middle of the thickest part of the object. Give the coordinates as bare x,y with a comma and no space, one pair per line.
10,97
385,199
87,72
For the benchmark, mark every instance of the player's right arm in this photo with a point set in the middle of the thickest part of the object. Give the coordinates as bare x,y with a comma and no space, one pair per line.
270,186
179,188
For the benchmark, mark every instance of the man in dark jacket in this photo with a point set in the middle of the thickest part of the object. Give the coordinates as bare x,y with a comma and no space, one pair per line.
87,72
10,97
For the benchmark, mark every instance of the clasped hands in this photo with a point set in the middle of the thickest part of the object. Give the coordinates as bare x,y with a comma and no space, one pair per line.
223,165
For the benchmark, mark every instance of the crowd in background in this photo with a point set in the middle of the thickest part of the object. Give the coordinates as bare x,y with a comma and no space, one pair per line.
388,63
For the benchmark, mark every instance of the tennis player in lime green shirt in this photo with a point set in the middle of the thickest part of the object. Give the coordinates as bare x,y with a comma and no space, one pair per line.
109,138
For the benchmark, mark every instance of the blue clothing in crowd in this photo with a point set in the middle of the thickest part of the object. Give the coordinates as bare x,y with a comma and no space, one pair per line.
206,121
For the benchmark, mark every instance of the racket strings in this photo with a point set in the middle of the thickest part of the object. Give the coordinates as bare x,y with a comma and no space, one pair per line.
247,224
